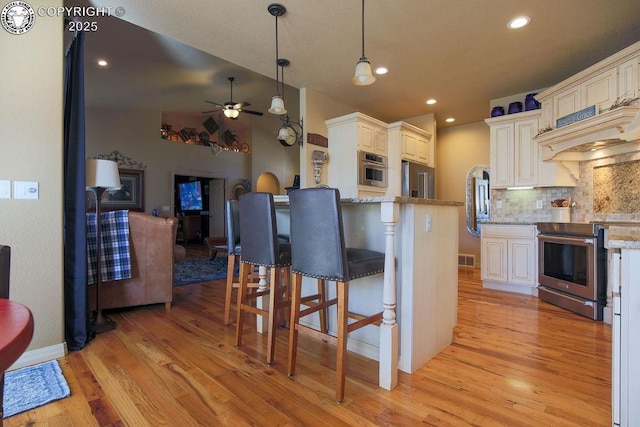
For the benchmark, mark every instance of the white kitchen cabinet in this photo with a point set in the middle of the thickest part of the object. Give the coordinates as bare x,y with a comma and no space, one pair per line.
372,138
515,155
509,257
347,135
413,141
625,383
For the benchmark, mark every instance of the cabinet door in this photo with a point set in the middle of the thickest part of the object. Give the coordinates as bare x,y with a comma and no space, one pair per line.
380,142
422,150
366,137
628,79
601,90
502,155
494,259
526,153
522,255
409,143
566,102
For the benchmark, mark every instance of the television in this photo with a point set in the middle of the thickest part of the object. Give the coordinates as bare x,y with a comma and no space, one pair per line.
190,196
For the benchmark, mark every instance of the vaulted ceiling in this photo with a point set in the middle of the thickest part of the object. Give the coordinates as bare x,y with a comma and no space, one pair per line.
178,54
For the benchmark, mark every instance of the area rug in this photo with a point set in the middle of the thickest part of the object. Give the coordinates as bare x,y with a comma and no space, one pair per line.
33,386
200,270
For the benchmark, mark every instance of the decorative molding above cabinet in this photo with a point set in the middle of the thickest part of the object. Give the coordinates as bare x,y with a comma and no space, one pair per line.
613,87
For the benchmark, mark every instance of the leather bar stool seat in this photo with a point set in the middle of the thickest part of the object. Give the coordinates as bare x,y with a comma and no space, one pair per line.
261,247
319,251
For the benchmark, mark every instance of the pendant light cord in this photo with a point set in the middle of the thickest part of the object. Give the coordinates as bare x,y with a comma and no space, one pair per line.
277,67
363,57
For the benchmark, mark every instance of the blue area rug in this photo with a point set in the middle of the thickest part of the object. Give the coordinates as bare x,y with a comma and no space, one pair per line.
33,386
200,270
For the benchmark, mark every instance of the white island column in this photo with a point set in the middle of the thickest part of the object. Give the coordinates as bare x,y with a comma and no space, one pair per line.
388,370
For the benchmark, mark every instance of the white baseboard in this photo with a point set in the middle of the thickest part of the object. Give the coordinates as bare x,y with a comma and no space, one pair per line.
40,355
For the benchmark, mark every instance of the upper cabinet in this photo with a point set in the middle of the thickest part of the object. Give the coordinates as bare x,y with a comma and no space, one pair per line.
612,86
371,137
515,157
414,142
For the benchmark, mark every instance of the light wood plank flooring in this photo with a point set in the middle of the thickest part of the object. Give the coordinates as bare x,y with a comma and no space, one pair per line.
514,361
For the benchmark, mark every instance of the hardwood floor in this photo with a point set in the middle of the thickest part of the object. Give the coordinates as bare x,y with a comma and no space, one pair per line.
514,361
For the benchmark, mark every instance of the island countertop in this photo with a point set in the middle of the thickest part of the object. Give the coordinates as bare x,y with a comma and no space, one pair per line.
284,200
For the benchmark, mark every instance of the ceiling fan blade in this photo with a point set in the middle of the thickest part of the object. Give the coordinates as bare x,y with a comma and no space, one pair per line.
210,111
215,103
257,113
241,105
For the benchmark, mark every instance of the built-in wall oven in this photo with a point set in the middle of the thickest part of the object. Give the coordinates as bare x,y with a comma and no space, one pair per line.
572,267
372,169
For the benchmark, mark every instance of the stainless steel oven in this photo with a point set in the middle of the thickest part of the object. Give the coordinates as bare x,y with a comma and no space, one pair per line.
572,267
372,169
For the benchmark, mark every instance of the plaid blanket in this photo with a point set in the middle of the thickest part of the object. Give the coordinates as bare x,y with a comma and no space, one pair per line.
116,257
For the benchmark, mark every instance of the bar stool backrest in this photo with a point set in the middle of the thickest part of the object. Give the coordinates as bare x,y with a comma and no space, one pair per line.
258,229
232,221
317,236
5,264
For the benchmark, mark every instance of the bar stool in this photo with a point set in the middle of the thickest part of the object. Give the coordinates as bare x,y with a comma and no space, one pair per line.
261,247
233,249
318,251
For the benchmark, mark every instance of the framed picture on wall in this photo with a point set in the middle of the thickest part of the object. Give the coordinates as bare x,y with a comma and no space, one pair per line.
130,196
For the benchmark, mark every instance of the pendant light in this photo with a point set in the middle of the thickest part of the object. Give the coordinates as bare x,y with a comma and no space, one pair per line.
363,76
277,102
290,132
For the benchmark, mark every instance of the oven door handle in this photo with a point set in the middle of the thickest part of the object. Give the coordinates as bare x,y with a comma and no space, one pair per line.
557,239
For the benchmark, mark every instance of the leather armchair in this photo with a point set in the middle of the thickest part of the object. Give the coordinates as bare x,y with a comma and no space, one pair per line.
152,265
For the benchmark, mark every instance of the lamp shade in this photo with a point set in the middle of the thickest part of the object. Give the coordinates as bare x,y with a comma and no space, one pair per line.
364,76
102,173
231,113
277,106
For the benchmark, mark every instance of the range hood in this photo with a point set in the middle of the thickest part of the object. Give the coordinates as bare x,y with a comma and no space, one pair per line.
595,113
609,133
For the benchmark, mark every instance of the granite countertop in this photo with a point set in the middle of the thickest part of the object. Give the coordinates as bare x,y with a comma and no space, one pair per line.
622,235
507,223
284,200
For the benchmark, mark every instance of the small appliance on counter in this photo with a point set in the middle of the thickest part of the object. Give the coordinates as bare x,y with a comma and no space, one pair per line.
418,180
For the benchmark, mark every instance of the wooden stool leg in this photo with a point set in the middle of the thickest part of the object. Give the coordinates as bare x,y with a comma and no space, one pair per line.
242,292
341,356
296,289
286,294
231,265
274,288
323,313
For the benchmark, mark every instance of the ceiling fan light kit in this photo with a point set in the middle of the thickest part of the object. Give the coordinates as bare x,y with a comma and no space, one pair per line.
363,76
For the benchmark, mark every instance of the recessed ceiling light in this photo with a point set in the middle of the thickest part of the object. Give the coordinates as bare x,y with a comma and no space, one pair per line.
431,101
450,120
102,63
382,70
519,22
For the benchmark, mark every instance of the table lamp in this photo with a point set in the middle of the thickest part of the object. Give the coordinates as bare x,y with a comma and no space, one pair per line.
101,175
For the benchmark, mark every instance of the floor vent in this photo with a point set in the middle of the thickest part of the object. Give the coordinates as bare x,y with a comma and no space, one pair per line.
467,260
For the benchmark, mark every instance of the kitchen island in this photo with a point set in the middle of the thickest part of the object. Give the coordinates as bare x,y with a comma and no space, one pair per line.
419,289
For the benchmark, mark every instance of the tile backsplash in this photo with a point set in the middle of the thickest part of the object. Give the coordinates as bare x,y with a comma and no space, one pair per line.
623,204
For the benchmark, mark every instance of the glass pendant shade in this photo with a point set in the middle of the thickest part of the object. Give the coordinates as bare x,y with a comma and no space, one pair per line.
231,113
277,106
364,76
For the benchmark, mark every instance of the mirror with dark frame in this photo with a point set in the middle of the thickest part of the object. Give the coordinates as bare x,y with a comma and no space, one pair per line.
478,197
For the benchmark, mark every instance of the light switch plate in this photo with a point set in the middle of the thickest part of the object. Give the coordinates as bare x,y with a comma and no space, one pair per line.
25,190
5,189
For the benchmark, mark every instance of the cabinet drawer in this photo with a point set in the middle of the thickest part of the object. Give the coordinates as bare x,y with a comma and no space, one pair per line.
509,231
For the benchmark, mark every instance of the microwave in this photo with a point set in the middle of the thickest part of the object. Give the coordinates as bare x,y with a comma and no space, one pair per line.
372,169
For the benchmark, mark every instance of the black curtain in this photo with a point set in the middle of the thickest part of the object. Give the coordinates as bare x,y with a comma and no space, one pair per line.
76,303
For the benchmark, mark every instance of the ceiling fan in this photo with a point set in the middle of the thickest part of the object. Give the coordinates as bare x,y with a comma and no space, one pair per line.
232,109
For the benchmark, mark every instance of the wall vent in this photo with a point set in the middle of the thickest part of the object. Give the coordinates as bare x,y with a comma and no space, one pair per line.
465,260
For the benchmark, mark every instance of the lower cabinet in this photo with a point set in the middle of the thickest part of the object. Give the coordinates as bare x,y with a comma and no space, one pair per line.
510,258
